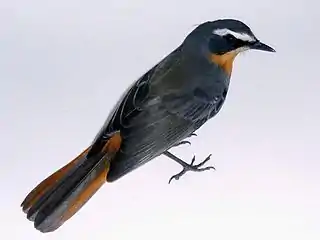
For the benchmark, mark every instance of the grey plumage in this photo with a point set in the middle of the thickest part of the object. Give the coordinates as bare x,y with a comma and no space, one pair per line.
167,104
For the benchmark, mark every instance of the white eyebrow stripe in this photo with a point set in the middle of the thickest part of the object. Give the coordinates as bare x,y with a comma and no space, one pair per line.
241,36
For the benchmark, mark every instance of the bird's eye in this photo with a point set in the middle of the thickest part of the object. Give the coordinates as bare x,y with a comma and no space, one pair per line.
230,37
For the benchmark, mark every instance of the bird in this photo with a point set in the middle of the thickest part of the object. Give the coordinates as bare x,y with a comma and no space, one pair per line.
159,111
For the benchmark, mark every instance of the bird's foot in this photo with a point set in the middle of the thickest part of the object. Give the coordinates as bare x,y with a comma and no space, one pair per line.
191,167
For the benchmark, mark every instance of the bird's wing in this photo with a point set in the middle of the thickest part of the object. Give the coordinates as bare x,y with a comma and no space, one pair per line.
146,127
139,112
127,107
157,129
153,115
196,106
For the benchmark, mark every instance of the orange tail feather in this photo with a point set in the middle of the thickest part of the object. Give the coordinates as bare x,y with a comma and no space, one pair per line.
57,198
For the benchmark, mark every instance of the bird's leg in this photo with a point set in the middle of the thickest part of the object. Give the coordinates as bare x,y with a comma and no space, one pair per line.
188,167
185,141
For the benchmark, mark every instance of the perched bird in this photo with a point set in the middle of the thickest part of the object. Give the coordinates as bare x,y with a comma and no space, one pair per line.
159,111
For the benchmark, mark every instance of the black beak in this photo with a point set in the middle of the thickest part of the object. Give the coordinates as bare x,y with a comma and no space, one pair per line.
262,47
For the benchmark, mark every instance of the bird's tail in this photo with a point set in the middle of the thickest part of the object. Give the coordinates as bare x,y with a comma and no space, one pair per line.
62,194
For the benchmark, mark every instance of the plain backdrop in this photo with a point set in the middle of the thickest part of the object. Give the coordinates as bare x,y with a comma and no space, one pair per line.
63,66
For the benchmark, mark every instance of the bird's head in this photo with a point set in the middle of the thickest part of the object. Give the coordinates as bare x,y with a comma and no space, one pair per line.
222,40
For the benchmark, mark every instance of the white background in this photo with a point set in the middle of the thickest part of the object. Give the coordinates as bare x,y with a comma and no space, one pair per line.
63,66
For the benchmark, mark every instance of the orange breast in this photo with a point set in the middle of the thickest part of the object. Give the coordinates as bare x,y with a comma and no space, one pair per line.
225,61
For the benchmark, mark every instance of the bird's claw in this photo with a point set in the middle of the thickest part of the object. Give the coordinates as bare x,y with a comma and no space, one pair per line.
203,162
185,142
191,167
177,176
181,143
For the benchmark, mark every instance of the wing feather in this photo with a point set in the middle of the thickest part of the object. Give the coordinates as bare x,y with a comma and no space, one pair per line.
153,116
